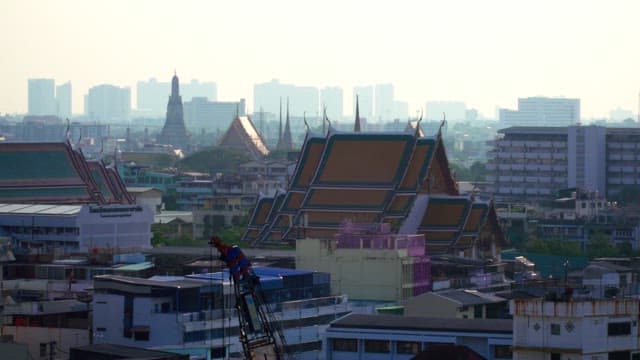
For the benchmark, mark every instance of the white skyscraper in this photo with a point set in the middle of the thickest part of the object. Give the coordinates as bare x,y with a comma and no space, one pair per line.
332,98
108,103
151,97
542,111
63,100
196,88
384,102
302,99
42,100
453,111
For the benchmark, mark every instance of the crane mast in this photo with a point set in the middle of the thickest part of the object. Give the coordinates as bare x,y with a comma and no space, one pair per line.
260,335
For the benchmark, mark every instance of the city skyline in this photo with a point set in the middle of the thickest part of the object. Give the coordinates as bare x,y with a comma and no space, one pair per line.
486,54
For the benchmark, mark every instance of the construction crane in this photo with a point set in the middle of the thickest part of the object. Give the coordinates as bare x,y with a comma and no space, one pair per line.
260,335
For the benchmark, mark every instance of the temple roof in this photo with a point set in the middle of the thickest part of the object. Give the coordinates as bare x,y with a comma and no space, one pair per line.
398,178
243,135
54,173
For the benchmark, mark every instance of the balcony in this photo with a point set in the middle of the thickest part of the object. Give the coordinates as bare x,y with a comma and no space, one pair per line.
561,168
531,179
490,178
628,181
545,144
614,145
544,155
517,190
504,166
615,157
627,169
531,155
531,167
517,155
504,190
504,155
559,144
504,178
628,157
519,167
517,143
559,156
544,179
614,180
615,168
544,191
491,166
518,179
532,191
544,167
628,145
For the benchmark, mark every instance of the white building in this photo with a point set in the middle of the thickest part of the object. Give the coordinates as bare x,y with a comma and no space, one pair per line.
188,312
77,228
63,100
108,103
452,111
575,329
332,98
384,102
542,111
200,113
535,162
42,100
302,99
397,337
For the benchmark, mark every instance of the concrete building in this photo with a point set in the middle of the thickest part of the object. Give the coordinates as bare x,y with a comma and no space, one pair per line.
152,95
535,162
195,311
452,111
48,328
42,99
368,263
459,303
333,98
212,116
108,103
542,111
267,96
358,336
576,329
147,196
63,100
384,102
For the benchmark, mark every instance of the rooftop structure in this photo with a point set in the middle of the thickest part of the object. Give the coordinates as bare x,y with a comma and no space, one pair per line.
54,173
397,178
357,336
242,135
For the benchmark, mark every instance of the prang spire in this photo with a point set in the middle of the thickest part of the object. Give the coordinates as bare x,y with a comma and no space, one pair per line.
356,127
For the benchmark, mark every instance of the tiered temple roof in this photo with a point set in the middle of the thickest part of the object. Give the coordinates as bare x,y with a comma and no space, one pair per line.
402,179
54,173
243,135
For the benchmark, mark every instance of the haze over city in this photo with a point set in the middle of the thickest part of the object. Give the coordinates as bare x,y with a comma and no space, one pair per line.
484,53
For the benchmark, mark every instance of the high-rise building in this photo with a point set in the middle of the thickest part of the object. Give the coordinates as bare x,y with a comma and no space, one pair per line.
303,99
200,113
384,102
195,88
42,100
365,98
332,98
400,109
542,111
535,162
152,95
108,103
63,100
452,111
174,132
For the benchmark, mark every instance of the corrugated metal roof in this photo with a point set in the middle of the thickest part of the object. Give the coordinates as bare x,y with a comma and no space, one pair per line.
40,209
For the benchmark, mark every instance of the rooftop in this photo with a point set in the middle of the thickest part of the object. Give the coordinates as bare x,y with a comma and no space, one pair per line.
397,322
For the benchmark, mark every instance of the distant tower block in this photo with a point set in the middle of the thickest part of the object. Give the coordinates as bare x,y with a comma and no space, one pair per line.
174,131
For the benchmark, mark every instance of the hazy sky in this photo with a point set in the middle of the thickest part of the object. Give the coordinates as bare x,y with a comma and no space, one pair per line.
487,53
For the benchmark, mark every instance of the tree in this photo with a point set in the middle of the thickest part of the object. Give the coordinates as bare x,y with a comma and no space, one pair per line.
600,245
214,160
478,171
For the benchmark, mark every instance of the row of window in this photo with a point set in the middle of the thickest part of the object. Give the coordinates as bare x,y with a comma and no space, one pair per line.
402,347
613,329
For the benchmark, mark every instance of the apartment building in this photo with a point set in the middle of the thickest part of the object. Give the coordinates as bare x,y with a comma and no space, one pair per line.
536,162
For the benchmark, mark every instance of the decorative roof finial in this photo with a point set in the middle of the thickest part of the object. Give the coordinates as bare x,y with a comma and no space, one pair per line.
356,127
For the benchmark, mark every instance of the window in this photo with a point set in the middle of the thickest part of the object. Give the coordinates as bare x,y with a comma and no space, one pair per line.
376,346
141,335
555,329
556,356
502,352
350,345
43,349
619,328
477,312
407,347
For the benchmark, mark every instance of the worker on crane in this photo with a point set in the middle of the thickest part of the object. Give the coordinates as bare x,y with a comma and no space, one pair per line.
235,259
